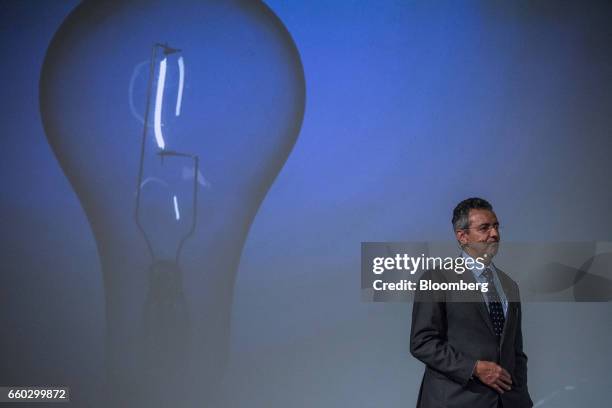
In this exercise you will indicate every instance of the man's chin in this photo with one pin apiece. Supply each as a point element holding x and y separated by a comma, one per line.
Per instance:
<point>484,250</point>
<point>491,250</point>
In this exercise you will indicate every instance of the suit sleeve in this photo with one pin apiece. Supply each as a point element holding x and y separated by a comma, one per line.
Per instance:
<point>428,337</point>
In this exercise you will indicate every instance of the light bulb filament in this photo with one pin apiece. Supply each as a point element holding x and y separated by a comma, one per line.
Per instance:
<point>177,213</point>
<point>179,97</point>
<point>151,180</point>
<point>162,153</point>
<point>159,97</point>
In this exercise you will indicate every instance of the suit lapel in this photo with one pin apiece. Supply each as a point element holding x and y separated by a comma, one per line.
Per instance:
<point>509,320</point>
<point>484,312</point>
<point>510,296</point>
<point>480,304</point>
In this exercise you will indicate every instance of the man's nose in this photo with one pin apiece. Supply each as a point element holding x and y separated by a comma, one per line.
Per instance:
<point>494,232</point>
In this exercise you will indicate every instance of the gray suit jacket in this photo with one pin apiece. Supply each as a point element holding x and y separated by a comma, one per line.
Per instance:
<point>451,330</point>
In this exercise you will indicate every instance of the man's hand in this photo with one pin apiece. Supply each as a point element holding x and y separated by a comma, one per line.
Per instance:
<point>493,375</point>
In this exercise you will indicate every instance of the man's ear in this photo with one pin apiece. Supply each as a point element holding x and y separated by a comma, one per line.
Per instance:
<point>461,237</point>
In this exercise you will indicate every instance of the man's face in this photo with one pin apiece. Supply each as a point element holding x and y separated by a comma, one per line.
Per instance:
<point>481,238</point>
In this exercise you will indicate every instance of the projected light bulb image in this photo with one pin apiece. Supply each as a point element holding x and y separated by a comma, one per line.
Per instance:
<point>171,120</point>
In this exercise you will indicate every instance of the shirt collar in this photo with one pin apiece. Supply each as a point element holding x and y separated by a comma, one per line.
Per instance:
<point>476,270</point>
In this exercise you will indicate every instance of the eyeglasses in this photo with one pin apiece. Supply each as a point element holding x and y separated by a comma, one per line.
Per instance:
<point>486,228</point>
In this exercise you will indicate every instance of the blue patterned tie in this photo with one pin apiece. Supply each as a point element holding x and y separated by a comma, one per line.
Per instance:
<point>496,310</point>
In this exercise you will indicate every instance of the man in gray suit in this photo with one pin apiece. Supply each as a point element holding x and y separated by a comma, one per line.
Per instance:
<point>471,342</point>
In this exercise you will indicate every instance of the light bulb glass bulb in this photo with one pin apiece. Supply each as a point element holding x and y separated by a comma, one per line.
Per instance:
<point>171,119</point>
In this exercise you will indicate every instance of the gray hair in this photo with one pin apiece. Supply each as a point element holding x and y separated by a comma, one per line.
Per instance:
<point>461,213</point>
